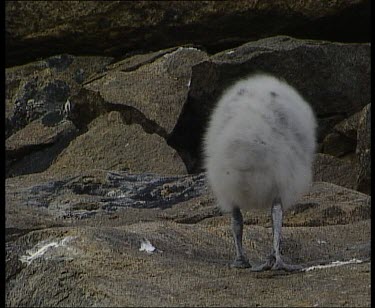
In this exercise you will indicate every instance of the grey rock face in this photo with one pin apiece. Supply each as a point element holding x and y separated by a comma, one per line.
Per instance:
<point>41,87</point>
<point>97,195</point>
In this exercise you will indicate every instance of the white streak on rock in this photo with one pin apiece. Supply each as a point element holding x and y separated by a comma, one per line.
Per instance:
<point>333,264</point>
<point>41,248</point>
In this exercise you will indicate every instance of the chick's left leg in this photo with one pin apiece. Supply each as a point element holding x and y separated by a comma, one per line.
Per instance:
<point>237,229</point>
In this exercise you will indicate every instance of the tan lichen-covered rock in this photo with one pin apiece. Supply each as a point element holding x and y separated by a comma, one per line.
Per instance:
<point>158,87</point>
<point>363,151</point>
<point>112,145</point>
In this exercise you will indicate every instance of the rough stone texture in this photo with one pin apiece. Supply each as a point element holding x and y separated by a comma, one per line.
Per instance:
<point>95,260</point>
<point>112,145</point>
<point>158,88</point>
<point>363,151</point>
<point>349,126</point>
<point>338,145</point>
<point>171,92</point>
<point>34,148</point>
<point>343,139</point>
<point>306,65</point>
<point>41,87</point>
<point>334,170</point>
<point>80,195</point>
<point>39,29</point>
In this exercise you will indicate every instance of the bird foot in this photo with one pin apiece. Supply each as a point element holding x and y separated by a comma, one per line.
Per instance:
<point>240,262</point>
<point>271,260</point>
<point>276,265</point>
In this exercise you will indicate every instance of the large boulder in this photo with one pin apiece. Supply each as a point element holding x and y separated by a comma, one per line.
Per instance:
<point>111,144</point>
<point>157,85</point>
<point>38,28</point>
<point>170,93</point>
<point>307,65</point>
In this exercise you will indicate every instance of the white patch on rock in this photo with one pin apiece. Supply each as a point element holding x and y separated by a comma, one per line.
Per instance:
<point>333,264</point>
<point>147,246</point>
<point>230,52</point>
<point>116,194</point>
<point>41,248</point>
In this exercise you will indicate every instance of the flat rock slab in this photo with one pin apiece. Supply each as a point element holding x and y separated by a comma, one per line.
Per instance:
<point>102,238</point>
<point>103,266</point>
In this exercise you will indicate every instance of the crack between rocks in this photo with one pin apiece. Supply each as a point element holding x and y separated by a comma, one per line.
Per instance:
<point>20,153</point>
<point>149,61</point>
<point>131,115</point>
<point>331,114</point>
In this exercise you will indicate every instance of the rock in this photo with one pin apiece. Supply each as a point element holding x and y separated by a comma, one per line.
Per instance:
<point>57,260</point>
<point>334,170</point>
<point>350,140</point>
<point>40,29</point>
<point>333,99</point>
<point>110,144</point>
<point>157,87</point>
<point>43,86</point>
<point>343,139</point>
<point>338,145</point>
<point>34,148</point>
<point>363,151</point>
<point>349,126</point>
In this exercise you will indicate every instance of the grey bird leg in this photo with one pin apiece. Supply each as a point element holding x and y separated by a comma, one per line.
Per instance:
<point>237,229</point>
<point>274,261</point>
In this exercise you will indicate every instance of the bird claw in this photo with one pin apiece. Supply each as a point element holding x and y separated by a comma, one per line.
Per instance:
<point>240,262</point>
<point>276,265</point>
<point>280,265</point>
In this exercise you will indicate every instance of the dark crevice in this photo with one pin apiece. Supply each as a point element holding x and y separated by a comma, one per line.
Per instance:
<point>131,115</point>
<point>35,158</point>
<point>88,105</point>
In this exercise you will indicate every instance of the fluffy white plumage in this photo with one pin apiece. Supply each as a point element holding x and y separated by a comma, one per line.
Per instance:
<point>259,144</point>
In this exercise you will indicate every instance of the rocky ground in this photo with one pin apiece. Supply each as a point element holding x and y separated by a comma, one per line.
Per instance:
<point>77,242</point>
<point>106,199</point>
